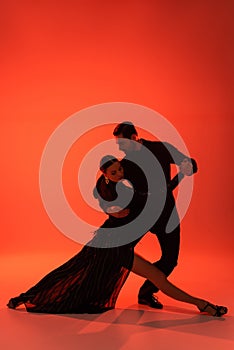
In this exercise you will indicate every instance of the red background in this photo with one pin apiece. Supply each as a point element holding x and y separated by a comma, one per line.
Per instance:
<point>58,57</point>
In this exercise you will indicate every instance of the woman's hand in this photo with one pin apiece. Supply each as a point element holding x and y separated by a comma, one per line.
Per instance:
<point>117,211</point>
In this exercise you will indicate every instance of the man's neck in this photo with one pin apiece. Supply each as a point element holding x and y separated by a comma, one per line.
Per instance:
<point>138,145</point>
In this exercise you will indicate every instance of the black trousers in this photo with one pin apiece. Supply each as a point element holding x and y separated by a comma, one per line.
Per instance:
<point>170,245</point>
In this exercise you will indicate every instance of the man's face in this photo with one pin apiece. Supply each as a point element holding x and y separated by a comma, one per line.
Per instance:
<point>125,145</point>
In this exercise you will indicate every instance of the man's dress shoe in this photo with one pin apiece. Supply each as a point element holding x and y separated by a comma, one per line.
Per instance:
<point>151,301</point>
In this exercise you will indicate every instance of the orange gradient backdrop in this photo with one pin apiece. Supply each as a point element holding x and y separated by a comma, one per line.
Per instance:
<point>58,57</point>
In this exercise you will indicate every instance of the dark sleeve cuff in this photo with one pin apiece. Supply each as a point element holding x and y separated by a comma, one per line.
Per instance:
<point>195,168</point>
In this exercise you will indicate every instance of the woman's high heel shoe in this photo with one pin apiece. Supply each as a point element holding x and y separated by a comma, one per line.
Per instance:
<point>218,310</point>
<point>13,303</point>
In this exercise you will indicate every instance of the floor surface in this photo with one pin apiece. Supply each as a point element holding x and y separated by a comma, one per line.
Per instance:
<point>129,326</point>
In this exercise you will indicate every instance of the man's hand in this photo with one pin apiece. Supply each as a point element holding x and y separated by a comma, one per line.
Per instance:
<point>186,167</point>
<point>117,211</point>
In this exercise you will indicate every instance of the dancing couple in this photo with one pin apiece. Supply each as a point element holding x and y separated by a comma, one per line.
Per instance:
<point>90,282</point>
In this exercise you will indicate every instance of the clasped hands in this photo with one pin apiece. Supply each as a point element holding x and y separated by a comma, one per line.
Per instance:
<point>186,167</point>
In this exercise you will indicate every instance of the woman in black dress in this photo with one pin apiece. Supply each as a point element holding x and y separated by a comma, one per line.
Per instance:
<point>90,282</point>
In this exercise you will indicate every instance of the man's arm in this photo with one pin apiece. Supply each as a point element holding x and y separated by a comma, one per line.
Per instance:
<point>188,166</point>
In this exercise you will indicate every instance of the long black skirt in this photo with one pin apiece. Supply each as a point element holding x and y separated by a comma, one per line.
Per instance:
<point>90,282</point>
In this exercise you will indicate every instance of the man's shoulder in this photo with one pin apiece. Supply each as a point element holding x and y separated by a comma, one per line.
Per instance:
<point>160,149</point>
<point>153,144</point>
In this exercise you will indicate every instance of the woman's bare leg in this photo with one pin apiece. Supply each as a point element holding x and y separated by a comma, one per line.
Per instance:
<point>145,269</point>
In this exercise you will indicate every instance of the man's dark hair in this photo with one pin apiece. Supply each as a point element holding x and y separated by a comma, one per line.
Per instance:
<point>126,129</point>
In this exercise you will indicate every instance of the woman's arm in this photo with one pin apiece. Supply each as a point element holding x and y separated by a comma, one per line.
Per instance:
<point>106,193</point>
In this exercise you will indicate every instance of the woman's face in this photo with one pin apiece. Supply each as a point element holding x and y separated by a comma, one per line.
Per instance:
<point>115,172</point>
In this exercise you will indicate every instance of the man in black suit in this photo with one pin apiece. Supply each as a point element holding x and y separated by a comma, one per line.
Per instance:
<point>168,237</point>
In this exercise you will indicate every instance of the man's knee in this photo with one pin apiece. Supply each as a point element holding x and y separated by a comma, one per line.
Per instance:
<point>167,265</point>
